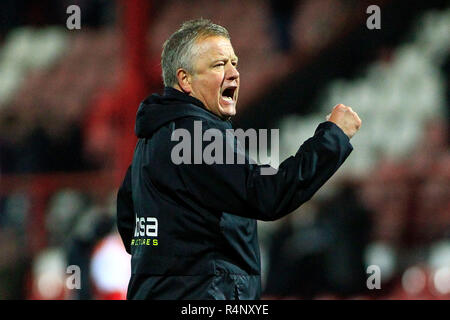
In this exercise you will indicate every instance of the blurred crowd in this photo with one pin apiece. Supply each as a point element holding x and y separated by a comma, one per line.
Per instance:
<point>395,212</point>
<point>389,205</point>
<point>397,217</point>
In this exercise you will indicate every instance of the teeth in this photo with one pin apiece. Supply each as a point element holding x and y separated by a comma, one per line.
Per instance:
<point>227,98</point>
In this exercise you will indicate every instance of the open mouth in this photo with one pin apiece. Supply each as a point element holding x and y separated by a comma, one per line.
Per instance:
<point>228,94</point>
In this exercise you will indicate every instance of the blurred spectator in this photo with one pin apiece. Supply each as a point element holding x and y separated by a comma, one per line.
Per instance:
<point>90,230</point>
<point>14,264</point>
<point>283,18</point>
<point>349,223</point>
<point>296,260</point>
<point>324,256</point>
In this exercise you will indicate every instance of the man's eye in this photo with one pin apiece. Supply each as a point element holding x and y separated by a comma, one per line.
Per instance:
<point>219,64</point>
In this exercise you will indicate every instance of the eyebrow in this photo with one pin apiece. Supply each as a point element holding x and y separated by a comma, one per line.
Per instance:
<point>235,58</point>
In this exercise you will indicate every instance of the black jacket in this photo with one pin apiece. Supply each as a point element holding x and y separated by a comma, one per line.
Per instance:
<point>191,228</point>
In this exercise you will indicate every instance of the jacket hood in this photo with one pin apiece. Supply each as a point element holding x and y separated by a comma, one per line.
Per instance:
<point>157,110</point>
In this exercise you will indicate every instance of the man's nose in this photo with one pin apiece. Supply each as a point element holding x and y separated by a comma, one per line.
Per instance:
<point>232,73</point>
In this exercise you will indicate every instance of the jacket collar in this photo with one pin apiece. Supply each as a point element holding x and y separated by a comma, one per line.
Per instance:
<point>178,95</point>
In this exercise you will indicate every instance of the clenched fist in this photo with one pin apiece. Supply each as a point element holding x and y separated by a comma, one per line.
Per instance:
<point>346,119</point>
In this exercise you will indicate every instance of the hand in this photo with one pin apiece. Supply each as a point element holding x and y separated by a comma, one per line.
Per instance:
<point>346,119</point>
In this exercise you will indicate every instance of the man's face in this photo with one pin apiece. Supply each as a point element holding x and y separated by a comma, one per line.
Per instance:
<point>215,79</point>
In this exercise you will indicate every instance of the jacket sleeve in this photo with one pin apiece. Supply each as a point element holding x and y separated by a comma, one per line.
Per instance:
<point>242,190</point>
<point>125,211</point>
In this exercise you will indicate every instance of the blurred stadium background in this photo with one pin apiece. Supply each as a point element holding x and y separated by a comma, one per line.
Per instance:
<point>68,99</point>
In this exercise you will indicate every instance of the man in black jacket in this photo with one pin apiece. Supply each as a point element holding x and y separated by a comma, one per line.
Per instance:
<point>190,226</point>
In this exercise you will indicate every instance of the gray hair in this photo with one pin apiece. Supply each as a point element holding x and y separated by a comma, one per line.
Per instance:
<point>178,49</point>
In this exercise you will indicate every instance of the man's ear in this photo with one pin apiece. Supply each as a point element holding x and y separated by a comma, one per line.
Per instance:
<point>184,80</point>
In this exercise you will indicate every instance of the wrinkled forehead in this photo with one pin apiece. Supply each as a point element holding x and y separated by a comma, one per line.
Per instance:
<point>213,48</point>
